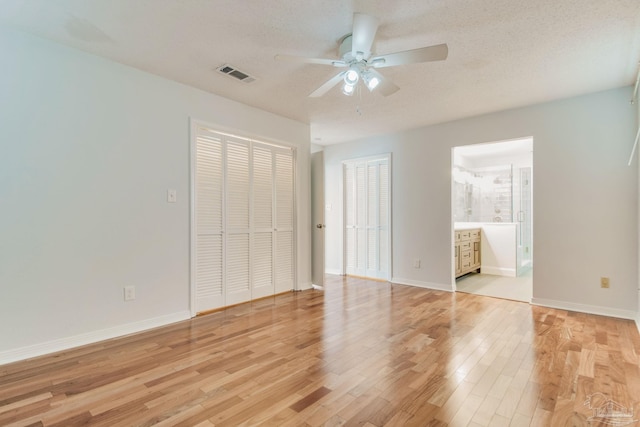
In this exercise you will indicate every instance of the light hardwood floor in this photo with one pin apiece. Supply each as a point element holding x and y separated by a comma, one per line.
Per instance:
<point>360,353</point>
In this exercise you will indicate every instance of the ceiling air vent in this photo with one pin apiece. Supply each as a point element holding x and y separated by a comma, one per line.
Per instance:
<point>235,73</point>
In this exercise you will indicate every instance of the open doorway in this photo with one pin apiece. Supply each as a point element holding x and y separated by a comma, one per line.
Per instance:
<point>492,206</point>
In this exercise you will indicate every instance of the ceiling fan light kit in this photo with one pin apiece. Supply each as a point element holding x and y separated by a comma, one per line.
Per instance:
<point>352,76</point>
<point>355,53</point>
<point>370,81</point>
<point>348,89</point>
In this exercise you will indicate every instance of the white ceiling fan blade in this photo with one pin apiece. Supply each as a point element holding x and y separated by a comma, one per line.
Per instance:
<point>327,85</point>
<point>364,31</point>
<point>385,86</point>
<point>425,54</point>
<point>305,60</point>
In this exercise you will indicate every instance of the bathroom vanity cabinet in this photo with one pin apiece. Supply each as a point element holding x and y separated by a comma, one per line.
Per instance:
<point>467,251</point>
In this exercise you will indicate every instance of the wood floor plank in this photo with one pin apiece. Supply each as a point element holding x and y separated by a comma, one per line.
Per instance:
<point>486,410</point>
<point>528,400</point>
<point>360,352</point>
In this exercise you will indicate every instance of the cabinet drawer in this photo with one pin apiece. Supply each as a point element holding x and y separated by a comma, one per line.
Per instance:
<point>466,255</point>
<point>465,235</point>
<point>457,233</point>
<point>465,246</point>
<point>475,234</point>
<point>466,263</point>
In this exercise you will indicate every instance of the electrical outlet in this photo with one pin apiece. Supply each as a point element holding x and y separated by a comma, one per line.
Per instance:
<point>129,293</point>
<point>604,282</point>
<point>171,196</point>
<point>416,263</point>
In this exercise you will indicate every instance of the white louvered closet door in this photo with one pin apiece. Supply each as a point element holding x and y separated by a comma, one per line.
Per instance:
<point>263,227</point>
<point>367,217</point>
<point>284,234</point>
<point>237,230</point>
<point>243,220</point>
<point>384,220</point>
<point>209,184</point>
<point>361,219</point>
<point>355,216</point>
<point>350,252</point>
<point>377,222</point>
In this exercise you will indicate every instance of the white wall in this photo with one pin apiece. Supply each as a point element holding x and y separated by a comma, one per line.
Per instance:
<point>585,198</point>
<point>88,150</point>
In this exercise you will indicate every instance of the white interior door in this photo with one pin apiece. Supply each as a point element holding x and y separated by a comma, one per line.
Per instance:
<point>367,217</point>
<point>317,220</point>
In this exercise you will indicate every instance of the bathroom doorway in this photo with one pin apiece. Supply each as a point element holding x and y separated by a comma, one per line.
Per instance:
<point>492,207</point>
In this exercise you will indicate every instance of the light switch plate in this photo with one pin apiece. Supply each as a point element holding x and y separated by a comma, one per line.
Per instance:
<point>171,196</point>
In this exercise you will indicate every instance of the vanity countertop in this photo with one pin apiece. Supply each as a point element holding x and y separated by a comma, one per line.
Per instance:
<point>459,226</point>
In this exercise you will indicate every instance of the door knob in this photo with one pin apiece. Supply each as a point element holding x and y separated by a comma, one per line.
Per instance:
<point>320,225</point>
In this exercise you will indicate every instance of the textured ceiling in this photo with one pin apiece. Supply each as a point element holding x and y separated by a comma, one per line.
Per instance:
<point>502,53</point>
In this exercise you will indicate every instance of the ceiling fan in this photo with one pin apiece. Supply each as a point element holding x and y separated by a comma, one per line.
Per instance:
<point>361,64</point>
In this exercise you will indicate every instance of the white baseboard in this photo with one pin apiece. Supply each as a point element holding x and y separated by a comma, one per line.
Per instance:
<point>304,286</point>
<point>584,308</point>
<point>66,343</point>
<point>420,284</point>
<point>498,271</point>
<point>334,271</point>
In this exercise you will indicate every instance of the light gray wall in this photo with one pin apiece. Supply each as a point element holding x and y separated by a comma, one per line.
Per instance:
<point>585,198</point>
<point>88,150</point>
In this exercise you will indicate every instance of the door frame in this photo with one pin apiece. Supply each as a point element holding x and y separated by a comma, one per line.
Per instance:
<point>531,138</point>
